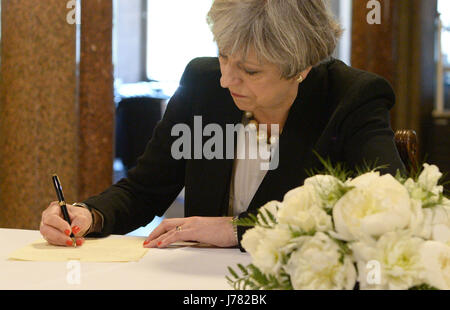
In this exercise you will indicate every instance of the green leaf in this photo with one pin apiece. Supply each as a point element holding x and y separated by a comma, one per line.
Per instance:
<point>369,167</point>
<point>271,217</point>
<point>263,218</point>
<point>243,269</point>
<point>233,273</point>
<point>254,218</point>
<point>258,275</point>
<point>423,287</point>
<point>338,170</point>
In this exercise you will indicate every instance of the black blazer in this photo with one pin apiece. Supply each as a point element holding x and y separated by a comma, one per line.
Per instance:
<point>341,112</point>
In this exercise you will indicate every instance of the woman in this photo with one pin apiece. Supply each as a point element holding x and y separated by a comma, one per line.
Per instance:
<point>274,68</point>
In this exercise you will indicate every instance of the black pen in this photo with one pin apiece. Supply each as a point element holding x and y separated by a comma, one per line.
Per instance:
<point>62,204</point>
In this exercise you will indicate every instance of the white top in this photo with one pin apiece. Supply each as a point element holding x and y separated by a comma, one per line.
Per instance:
<point>248,171</point>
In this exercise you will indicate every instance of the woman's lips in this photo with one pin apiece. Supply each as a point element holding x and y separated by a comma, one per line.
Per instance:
<point>236,95</point>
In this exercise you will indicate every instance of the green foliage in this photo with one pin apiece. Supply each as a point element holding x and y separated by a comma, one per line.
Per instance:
<point>423,287</point>
<point>431,204</point>
<point>343,249</point>
<point>401,177</point>
<point>415,172</point>
<point>333,196</point>
<point>254,279</point>
<point>338,170</point>
<point>264,219</point>
<point>341,171</point>
<point>369,167</point>
<point>298,233</point>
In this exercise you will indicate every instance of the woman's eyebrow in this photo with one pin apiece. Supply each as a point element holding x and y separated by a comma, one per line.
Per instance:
<point>251,64</point>
<point>246,62</point>
<point>243,61</point>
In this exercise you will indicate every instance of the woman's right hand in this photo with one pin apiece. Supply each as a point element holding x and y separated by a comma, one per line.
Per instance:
<point>57,231</point>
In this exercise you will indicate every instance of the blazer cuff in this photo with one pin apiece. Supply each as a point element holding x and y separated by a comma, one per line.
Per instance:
<point>98,219</point>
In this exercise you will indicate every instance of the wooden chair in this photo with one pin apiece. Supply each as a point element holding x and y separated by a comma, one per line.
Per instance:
<point>407,145</point>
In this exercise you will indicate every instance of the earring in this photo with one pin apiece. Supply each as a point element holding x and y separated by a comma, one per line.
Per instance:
<point>300,79</point>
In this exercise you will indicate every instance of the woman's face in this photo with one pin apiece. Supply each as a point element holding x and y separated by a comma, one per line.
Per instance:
<point>256,86</point>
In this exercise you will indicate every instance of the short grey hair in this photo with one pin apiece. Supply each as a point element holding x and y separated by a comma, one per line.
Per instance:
<point>294,34</point>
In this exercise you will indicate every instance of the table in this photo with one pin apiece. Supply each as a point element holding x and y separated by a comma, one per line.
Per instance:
<point>184,268</point>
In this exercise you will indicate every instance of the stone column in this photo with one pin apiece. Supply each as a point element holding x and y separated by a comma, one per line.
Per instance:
<point>52,119</point>
<point>96,98</point>
<point>38,109</point>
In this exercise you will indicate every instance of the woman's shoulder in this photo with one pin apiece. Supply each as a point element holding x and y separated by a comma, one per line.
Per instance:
<point>349,84</point>
<point>201,69</point>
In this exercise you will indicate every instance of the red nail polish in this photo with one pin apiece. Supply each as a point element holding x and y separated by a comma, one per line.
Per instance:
<point>146,242</point>
<point>79,242</point>
<point>67,232</point>
<point>76,229</point>
<point>159,243</point>
<point>69,242</point>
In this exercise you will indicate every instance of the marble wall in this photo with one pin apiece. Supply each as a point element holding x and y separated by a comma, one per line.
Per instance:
<point>49,114</point>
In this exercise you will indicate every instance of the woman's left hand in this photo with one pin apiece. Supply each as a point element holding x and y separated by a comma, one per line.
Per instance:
<point>217,231</point>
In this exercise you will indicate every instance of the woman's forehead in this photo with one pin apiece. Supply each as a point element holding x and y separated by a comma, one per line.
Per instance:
<point>249,57</point>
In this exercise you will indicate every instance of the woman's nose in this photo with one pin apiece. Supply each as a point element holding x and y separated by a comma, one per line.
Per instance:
<point>229,77</point>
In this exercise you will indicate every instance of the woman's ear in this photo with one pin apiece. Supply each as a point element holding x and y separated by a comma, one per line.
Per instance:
<point>303,75</point>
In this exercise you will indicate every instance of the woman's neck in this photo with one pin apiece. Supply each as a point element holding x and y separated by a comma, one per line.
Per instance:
<point>274,116</point>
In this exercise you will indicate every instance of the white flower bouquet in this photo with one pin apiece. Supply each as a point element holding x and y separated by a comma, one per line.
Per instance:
<point>369,232</point>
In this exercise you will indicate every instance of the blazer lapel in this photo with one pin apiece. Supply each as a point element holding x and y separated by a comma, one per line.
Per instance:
<point>223,112</point>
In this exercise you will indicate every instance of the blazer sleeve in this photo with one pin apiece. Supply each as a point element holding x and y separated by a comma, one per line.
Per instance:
<point>158,178</point>
<point>368,136</point>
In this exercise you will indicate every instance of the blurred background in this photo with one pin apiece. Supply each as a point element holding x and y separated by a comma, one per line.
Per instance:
<point>82,90</point>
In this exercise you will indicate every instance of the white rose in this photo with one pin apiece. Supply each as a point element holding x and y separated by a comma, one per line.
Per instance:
<point>429,178</point>
<point>272,207</point>
<point>329,188</point>
<point>302,211</point>
<point>436,223</point>
<point>421,194</point>
<point>436,259</point>
<point>316,265</point>
<point>364,179</point>
<point>267,253</point>
<point>426,189</point>
<point>382,205</point>
<point>252,238</point>
<point>417,217</point>
<point>398,258</point>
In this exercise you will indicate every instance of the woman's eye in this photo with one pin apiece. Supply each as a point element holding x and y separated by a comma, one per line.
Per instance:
<point>251,72</point>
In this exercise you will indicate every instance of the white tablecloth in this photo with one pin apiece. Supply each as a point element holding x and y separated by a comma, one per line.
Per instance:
<point>160,269</point>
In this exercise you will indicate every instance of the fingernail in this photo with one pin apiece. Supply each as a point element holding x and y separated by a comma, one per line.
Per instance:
<point>76,229</point>
<point>146,242</point>
<point>67,232</point>
<point>69,242</point>
<point>79,242</point>
<point>159,243</point>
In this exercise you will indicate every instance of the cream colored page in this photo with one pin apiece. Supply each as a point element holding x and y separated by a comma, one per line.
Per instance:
<point>110,249</point>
